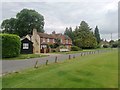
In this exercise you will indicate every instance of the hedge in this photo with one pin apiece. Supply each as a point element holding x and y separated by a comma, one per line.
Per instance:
<point>11,45</point>
<point>75,48</point>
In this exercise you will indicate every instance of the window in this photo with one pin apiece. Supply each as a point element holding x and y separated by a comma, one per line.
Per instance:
<point>61,40</point>
<point>43,39</point>
<point>48,40</point>
<point>53,41</point>
<point>43,46</point>
<point>67,41</point>
<point>25,46</point>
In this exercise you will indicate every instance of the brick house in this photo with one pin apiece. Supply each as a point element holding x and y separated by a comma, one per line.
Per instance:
<point>41,41</point>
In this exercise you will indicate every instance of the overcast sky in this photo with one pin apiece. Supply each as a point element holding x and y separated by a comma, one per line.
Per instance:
<point>59,15</point>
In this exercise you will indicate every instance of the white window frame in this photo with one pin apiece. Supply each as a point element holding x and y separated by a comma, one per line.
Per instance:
<point>61,40</point>
<point>25,45</point>
<point>48,40</point>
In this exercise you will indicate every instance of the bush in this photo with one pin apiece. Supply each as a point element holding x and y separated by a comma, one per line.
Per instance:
<point>114,45</point>
<point>11,45</point>
<point>105,46</point>
<point>75,48</point>
<point>63,47</point>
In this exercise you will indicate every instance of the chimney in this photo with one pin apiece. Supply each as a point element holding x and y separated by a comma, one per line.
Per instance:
<point>53,32</point>
<point>34,31</point>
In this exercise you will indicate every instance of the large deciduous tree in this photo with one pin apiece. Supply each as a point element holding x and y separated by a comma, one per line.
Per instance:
<point>24,23</point>
<point>97,35</point>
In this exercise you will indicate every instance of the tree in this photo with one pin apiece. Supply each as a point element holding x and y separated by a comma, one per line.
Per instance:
<point>57,43</point>
<point>9,25</point>
<point>24,23</point>
<point>97,35</point>
<point>84,37</point>
<point>69,32</point>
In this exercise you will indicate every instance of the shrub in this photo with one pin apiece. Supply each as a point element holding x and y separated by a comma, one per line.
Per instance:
<point>114,45</point>
<point>75,48</point>
<point>11,45</point>
<point>51,46</point>
<point>105,46</point>
<point>63,47</point>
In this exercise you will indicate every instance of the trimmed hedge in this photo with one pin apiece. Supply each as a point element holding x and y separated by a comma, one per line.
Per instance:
<point>11,45</point>
<point>75,48</point>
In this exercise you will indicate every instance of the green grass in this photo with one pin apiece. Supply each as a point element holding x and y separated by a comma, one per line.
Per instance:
<point>25,56</point>
<point>92,71</point>
<point>0,83</point>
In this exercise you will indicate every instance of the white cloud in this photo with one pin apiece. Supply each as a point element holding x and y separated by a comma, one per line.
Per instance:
<point>59,15</point>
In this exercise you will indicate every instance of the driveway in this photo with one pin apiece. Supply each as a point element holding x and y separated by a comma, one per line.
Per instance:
<point>17,65</point>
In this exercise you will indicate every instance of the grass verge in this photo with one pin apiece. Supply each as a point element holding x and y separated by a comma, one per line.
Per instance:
<point>92,71</point>
<point>25,56</point>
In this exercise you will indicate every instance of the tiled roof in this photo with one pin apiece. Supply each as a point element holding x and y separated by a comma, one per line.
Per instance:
<point>44,35</point>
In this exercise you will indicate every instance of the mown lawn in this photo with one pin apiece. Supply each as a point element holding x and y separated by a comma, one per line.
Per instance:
<point>25,56</point>
<point>92,71</point>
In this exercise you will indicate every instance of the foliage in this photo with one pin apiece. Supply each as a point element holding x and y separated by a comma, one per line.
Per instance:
<point>97,35</point>
<point>84,37</point>
<point>57,43</point>
<point>119,43</point>
<point>114,45</point>
<point>105,46</point>
<point>26,20</point>
<point>51,46</point>
<point>11,45</point>
<point>63,47</point>
<point>69,32</point>
<point>75,48</point>
<point>9,25</point>
<point>111,42</point>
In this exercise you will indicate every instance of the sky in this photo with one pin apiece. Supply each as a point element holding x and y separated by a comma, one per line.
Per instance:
<point>59,14</point>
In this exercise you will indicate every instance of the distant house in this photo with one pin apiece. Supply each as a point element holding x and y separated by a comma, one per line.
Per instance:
<point>26,46</point>
<point>105,42</point>
<point>41,41</point>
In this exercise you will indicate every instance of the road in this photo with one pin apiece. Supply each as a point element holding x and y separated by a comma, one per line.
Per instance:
<point>9,66</point>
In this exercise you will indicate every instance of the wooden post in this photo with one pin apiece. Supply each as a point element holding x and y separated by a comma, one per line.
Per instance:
<point>74,56</point>
<point>46,62</point>
<point>83,54</point>
<point>56,59</point>
<point>69,56</point>
<point>36,66</point>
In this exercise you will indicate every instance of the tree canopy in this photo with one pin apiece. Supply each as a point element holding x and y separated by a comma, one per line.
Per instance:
<point>24,23</point>
<point>84,37</point>
<point>97,35</point>
<point>69,32</point>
